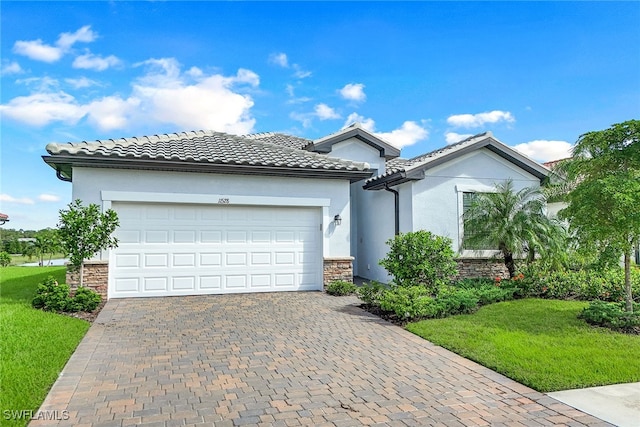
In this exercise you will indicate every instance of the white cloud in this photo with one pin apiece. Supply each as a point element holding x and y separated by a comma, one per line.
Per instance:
<point>39,51</point>
<point>111,112</point>
<point>452,137</point>
<point>21,201</point>
<point>81,83</point>
<point>300,73</point>
<point>163,94</point>
<point>353,92</point>
<point>48,198</point>
<point>324,112</point>
<point>11,68</point>
<point>545,150</point>
<point>41,109</point>
<point>279,59</point>
<point>212,102</point>
<point>89,61</point>
<point>84,34</point>
<point>35,49</point>
<point>366,123</point>
<point>477,120</point>
<point>408,134</point>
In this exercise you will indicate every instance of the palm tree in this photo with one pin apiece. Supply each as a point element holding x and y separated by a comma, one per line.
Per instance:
<point>513,223</point>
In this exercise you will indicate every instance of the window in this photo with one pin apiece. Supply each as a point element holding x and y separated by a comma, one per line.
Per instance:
<point>467,200</point>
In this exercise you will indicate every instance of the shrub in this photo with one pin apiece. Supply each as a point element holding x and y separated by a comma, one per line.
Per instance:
<point>473,283</point>
<point>370,293</point>
<point>340,288</point>
<point>85,299</point>
<point>452,301</point>
<point>612,315</point>
<point>585,285</point>
<point>408,302</point>
<point>420,258</point>
<point>5,259</point>
<point>52,296</point>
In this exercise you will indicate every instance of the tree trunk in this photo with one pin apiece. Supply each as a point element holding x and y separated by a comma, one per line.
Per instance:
<point>81,278</point>
<point>627,281</point>
<point>508,261</point>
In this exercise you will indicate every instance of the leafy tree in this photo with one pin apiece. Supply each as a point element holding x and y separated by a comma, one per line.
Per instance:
<point>47,243</point>
<point>84,232</point>
<point>420,258</point>
<point>514,222</point>
<point>5,259</point>
<point>603,209</point>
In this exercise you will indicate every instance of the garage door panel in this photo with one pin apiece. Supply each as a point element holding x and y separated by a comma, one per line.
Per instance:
<point>236,236</point>
<point>127,260</point>
<point>260,281</point>
<point>211,236</point>
<point>129,285</point>
<point>184,236</point>
<point>155,283</point>
<point>169,249</point>
<point>187,283</point>
<point>156,236</point>
<point>210,282</point>
<point>211,259</point>
<point>236,282</point>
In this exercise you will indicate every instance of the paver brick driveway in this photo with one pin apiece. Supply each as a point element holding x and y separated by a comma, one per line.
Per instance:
<point>280,359</point>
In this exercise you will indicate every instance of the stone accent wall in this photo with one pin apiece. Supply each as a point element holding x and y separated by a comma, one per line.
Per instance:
<point>481,267</point>
<point>95,276</point>
<point>338,268</point>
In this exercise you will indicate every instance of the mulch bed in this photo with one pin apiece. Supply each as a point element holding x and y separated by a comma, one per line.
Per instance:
<point>88,316</point>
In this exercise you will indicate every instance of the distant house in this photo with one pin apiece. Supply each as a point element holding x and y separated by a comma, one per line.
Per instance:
<point>207,212</point>
<point>4,218</point>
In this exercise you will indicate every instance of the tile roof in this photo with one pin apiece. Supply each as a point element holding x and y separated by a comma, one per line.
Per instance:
<point>280,139</point>
<point>208,147</point>
<point>401,165</point>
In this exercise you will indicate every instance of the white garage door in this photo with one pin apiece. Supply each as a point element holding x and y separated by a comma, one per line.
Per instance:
<point>176,249</point>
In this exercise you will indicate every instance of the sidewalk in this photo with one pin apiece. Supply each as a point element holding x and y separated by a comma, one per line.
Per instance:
<point>617,404</point>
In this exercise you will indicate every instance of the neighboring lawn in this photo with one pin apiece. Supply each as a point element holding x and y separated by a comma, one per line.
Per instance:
<point>22,259</point>
<point>35,345</point>
<point>539,343</point>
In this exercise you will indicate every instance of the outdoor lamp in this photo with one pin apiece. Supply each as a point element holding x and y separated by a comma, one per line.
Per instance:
<point>337,219</point>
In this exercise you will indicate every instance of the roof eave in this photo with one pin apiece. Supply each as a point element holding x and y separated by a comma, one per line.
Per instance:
<point>65,164</point>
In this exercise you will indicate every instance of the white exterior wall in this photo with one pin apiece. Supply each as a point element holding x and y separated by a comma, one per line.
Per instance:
<point>437,199</point>
<point>376,226</point>
<point>363,212</point>
<point>90,183</point>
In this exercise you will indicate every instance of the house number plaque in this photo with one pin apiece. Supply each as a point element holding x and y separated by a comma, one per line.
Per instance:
<point>223,201</point>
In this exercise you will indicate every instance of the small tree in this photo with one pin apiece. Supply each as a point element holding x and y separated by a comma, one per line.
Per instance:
<point>420,258</point>
<point>603,209</point>
<point>5,259</point>
<point>513,222</point>
<point>84,232</point>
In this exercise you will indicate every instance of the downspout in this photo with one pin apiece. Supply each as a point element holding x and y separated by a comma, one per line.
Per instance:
<point>396,206</point>
<point>62,177</point>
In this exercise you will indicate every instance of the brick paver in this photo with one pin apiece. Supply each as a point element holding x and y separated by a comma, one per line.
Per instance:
<point>280,359</point>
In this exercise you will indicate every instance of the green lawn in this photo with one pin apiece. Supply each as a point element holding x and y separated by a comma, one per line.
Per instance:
<point>35,345</point>
<point>539,343</point>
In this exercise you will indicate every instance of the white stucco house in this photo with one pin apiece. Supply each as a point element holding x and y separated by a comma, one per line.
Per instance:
<point>207,212</point>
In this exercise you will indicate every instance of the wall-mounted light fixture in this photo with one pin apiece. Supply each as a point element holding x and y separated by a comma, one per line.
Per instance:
<point>337,219</point>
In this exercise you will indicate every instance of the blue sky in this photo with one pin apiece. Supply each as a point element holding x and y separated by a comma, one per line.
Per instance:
<point>419,74</point>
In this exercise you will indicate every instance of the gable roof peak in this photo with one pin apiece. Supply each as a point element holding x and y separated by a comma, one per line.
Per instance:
<point>355,130</point>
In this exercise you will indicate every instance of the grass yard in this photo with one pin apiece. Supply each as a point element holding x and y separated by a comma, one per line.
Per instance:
<point>35,345</point>
<point>22,259</point>
<point>539,343</point>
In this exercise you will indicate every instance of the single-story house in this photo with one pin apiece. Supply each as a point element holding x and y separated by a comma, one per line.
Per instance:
<point>208,212</point>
